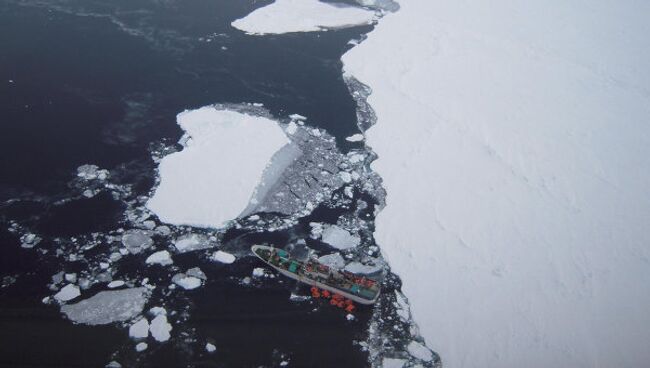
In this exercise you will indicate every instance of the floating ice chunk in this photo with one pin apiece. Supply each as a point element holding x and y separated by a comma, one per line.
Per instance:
<point>140,329</point>
<point>91,172</point>
<point>196,272</point>
<point>339,238</point>
<point>142,346</point>
<point>68,292</point>
<point>419,351</point>
<point>297,117</point>
<point>162,258</point>
<point>291,128</point>
<point>193,188</point>
<point>298,298</point>
<point>355,138</point>
<point>345,176</point>
<point>223,257</point>
<point>160,328</point>
<point>186,282</point>
<point>29,240</point>
<point>393,363</point>
<point>71,277</point>
<point>334,260</point>
<point>156,311</point>
<point>107,306</point>
<point>258,272</point>
<point>137,240</point>
<point>115,284</point>
<point>210,348</point>
<point>350,317</point>
<point>113,364</point>
<point>316,229</point>
<point>192,242</point>
<point>285,16</point>
<point>163,230</point>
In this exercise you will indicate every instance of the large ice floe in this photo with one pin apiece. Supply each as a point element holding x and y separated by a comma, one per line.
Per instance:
<point>514,145</point>
<point>108,306</point>
<point>213,178</point>
<point>285,16</point>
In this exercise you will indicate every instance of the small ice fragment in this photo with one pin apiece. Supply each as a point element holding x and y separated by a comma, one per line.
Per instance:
<point>334,260</point>
<point>186,282</point>
<point>163,230</point>
<point>419,351</point>
<point>140,329</point>
<point>29,240</point>
<point>149,224</point>
<point>223,257</point>
<point>115,284</point>
<point>68,292</point>
<point>156,311</point>
<point>113,364</point>
<point>71,277</point>
<point>345,176</point>
<point>393,363</point>
<point>187,243</point>
<point>292,128</point>
<point>297,117</point>
<point>162,258</point>
<point>141,346</point>
<point>258,272</point>
<point>284,363</point>
<point>355,138</point>
<point>350,317</point>
<point>137,240</point>
<point>160,328</point>
<point>210,348</point>
<point>196,272</point>
<point>339,238</point>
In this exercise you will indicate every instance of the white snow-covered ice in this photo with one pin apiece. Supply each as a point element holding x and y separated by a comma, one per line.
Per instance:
<point>286,16</point>
<point>514,145</point>
<point>213,178</point>
<point>140,329</point>
<point>339,238</point>
<point>107,306</point>
<point>223,257</point>
<point>161,257</point>
<point>160,329</point>
<point>67,292</point>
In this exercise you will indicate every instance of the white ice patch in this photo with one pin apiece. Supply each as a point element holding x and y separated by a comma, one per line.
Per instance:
<point>258,272</point>
<point>137,240</point>
<point>186,282</point>
<point>223,257</point>
<point>334,260</point>
<point>355,138</point>
<point>160,329</point>
<point>140,329</point>
<point>162,258</point>
<point>419,351</point>
<point>68,292</point>
<point>210,348</point>
<point>339,238</point>
<point>360,268</point>
<point>212,179</point>
<point>141,346</point>
<point>107,306</point>
<point>192,242</point>
<point>115,284</point>
<point>514,145</point>
<point>285,16</point>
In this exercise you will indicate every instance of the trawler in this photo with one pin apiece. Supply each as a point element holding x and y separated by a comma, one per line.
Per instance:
<point>340,283</point>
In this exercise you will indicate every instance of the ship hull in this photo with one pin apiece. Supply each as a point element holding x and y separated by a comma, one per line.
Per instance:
<point>315,283</point>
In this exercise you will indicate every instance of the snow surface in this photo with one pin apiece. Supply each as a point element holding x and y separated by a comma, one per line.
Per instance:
<point>514,145</point>
<point>285,16</point>
<point>212,179</point>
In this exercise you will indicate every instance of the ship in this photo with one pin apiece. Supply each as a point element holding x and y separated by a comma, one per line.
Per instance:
<point>340,283</point>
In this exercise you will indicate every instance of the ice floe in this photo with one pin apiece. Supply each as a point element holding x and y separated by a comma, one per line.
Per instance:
<point>197,186</point>
<point>137,240</point>
<point>160,328</point>
<point>355,138</point>
<point>223,257</point>
<point>107,306</point>
<point>192,242</point>
<point>285,16</point>
<point>140,329</point>
<point>339,238</point>
<point>67,293</point>
<point>186,282</point>
<point>210,348</point>
<point>141,346</point>
<point>513,143</point>
<point>161,257</point>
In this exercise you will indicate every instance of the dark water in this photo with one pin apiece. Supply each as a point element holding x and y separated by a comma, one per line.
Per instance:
<point>101,82</point>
